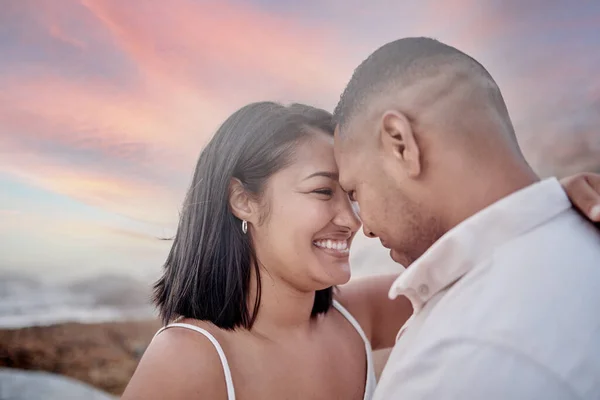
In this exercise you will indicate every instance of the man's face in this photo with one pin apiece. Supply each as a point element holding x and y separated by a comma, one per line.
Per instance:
<point>390,208</point>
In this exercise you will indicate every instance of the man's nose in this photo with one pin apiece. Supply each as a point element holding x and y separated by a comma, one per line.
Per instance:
<point>368,233</point>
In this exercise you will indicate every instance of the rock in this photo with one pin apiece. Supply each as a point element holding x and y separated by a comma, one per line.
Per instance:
<point>34,385</point>
<point>103,355</point>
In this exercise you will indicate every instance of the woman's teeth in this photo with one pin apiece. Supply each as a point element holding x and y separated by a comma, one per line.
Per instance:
<point>339,245</point>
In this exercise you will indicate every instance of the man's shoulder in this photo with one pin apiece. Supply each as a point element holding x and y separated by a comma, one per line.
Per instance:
<point>561,255</point>
<point>561,237</point>
<point>551,268</point>
<point>543,278</point>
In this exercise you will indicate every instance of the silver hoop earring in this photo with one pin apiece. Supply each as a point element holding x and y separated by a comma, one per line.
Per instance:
<point>244,226</point>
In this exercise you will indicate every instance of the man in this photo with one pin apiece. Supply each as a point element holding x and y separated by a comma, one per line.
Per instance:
<point>503,275</point>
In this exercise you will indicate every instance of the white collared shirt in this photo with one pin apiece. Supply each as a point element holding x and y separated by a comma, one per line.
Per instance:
<point>506,307</point>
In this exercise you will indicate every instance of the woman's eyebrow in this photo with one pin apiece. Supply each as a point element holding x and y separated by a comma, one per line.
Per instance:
<point>331,175</point>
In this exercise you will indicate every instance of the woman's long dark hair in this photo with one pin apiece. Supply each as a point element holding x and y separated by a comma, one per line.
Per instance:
<point>208,270</point>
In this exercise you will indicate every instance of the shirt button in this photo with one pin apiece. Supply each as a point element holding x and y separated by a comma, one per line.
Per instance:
<point>423,290</point>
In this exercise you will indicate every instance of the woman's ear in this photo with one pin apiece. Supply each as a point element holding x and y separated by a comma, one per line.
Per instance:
<point>240,202</point>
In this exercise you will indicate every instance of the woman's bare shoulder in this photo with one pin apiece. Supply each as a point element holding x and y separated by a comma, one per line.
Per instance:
<point>179,363</point>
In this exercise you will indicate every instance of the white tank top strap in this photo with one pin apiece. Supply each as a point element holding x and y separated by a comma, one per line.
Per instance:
<point>215,343</point>
<point>371,378</point>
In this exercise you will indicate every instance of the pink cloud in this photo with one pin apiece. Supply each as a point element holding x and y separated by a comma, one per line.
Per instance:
<point>187,40</point>
<point>98,105</point>
<point>57,33</point>
<point>135,198</point>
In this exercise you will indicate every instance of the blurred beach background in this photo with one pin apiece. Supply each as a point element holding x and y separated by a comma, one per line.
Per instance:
<point>105,106</point>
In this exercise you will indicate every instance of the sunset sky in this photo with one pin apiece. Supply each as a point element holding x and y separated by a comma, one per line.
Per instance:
<point>106,104</point>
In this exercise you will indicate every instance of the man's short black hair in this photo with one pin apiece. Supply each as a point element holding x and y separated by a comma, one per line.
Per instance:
<point>406,59</point>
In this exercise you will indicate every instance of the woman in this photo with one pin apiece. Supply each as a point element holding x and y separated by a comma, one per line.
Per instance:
<point>262,241</point>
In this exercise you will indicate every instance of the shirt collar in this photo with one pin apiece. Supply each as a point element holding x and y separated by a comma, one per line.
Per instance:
<point>461,248</point>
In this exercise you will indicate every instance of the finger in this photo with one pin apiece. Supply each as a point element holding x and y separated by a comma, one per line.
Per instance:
<point>594,181</point>
<point>583,196</point>
<point>595,213</point>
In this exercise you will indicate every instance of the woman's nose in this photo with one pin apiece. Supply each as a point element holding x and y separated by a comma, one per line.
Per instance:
<point>348,216</point>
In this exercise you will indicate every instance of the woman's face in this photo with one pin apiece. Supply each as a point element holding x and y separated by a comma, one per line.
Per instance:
<point>309,221</point>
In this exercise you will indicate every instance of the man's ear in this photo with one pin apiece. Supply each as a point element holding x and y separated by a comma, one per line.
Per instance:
<point>398,141</point>
<point>240,202</point>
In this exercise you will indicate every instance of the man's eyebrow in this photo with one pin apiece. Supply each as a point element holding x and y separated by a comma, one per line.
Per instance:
<point>331,175</point>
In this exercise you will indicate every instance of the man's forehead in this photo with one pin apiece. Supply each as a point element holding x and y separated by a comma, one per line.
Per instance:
<point>340,142</point>
<point>344,152</point>
<point>351,134</point>
<point>344,133</point>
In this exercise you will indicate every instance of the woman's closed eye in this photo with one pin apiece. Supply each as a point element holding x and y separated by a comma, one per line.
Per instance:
<point>324,191</point>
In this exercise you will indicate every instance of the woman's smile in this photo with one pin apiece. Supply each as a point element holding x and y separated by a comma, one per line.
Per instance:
<point>337,248</point>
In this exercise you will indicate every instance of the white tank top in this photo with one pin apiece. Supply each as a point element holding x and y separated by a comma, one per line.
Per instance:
<point>370,382</point>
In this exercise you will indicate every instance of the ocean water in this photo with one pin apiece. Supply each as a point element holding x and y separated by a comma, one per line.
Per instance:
<point>24,301</point>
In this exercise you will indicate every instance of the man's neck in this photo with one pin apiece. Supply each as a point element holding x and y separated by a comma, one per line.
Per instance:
<point>483,188</point>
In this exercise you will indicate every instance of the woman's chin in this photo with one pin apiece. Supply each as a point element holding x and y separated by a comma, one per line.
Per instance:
<point>334,266</point>
<point>336,274</point>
